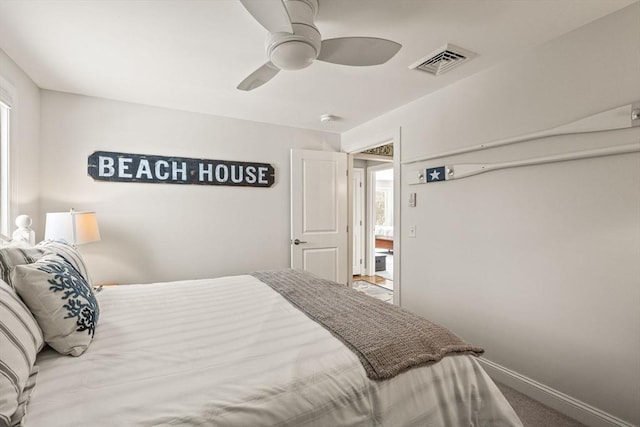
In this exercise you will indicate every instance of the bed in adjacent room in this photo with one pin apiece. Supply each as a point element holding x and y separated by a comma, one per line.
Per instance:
<point>247,350</point>
<point>384,237</point>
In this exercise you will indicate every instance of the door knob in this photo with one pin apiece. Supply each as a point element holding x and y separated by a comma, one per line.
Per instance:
<point>298,241</point>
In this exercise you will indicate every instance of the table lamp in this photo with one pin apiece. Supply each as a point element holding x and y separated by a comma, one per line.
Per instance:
<point>75,228</point>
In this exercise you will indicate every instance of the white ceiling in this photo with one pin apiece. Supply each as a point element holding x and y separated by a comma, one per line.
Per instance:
<point>191,54</point>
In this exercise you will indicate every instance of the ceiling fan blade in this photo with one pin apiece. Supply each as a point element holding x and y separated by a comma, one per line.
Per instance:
<point>271,14</point>
<point>358,51</point>
<point>259,77</point>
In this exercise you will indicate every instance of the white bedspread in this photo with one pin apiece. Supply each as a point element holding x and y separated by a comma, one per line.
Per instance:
<point>232,352</point>
<point>383,231</point>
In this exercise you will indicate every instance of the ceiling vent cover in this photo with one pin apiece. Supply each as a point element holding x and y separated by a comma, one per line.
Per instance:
<point>443,60</point>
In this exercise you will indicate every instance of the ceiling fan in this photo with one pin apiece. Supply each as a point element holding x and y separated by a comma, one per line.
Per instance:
<point>294,41</point>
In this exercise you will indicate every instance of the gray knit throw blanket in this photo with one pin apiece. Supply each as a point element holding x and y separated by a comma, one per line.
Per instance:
<point>387,339</point>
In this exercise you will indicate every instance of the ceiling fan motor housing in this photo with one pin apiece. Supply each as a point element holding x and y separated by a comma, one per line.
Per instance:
<point>298,50</point>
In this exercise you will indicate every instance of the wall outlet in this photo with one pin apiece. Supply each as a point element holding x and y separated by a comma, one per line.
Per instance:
<point>412,231</point>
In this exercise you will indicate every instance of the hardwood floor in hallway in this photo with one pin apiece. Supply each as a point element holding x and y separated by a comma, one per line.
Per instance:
<point>375,286</point>
<point>376,280</point>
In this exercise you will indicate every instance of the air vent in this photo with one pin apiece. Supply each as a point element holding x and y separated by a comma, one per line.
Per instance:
<point>443,60</point>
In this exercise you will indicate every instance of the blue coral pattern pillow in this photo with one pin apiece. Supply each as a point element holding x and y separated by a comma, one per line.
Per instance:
<point>61,301</point>
<point>68,252</point>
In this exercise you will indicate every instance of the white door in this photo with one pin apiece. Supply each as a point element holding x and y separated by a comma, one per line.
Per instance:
<point>319,213</point>
<point>358,221</point>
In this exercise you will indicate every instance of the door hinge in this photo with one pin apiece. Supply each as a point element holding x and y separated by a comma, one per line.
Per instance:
<point>360,261</point>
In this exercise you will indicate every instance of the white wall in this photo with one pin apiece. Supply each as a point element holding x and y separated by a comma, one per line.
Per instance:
<point>157,232</point>
<point>24,140</point>
<point>539,265</point>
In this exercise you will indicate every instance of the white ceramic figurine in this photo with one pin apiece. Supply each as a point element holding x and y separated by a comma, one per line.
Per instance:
<point>24,233</point>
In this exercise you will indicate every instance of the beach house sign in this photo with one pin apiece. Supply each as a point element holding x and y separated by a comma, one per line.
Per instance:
<point>124,167</point>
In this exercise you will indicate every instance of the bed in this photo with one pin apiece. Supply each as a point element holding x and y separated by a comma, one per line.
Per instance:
<point>239,351</point>
<point>384,237</point>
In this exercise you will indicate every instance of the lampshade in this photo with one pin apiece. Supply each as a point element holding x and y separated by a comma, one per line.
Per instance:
<point>76,228</point>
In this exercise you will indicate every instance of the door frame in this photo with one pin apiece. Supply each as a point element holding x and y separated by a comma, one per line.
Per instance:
<point>361,193</point>
<point>391,136</point>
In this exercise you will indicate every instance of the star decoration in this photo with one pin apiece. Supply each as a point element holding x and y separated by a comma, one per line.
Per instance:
<point>435,175</point>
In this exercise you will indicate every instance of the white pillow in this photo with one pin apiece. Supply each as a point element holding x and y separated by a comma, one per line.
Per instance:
<point>16,254</point>
<point>20,342</point>
<point>61,300</point>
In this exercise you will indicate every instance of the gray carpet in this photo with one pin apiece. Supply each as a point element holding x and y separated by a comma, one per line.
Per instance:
<point>535,414</point>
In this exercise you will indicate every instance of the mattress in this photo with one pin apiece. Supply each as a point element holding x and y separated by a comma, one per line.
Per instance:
<point>233,352</point>
<point>384,231</point>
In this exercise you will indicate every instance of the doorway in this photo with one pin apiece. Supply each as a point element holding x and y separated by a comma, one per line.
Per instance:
<point>383,217</point>
<point>376,273</point>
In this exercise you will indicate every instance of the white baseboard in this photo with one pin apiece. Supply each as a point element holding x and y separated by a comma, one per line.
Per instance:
<point>574,408</point>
